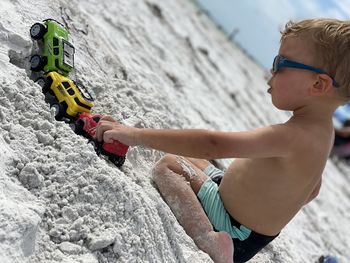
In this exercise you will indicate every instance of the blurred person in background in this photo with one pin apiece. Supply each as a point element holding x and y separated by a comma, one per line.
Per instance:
<point>341,122</point>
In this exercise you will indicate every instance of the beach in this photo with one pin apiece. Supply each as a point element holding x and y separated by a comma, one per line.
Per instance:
<point>147,63</point>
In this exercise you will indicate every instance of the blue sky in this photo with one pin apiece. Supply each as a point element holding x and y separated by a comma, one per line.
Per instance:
<point>259,21</point>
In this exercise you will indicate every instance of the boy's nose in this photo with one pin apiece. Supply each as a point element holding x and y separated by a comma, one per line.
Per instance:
<point>269,83</point>
<point>269,77</point>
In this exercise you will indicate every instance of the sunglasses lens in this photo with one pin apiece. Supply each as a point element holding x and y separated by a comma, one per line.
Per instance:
<point>274,64</point>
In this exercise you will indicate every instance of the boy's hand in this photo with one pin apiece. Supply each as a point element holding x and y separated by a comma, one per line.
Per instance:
<point>109,129</point>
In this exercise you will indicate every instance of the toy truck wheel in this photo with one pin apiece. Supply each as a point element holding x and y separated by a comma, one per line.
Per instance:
<point>78,127</point>
<point>96,145</point>
<point>37,31</point>
<point>60,111</point>
<point>117,160</point>
<point>37,63</point>
<point>44,84</point>
<point>41,81</point>
<point>93,143</point>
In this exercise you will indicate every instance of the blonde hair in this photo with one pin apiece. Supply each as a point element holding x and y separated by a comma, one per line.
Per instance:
<point>330,42</point>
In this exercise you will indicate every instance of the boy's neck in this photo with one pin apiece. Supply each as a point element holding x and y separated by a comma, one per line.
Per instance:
<point>321,113</point>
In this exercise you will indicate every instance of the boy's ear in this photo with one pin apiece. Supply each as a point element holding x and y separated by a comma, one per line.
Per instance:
<point>322,85</point>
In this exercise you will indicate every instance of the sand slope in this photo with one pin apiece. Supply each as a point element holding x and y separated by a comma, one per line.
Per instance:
<point>149,64</point>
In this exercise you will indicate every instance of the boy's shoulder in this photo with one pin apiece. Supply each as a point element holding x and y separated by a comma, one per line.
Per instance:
<point>295,135</point>
<point>309,136</point>
<point>278,140</point>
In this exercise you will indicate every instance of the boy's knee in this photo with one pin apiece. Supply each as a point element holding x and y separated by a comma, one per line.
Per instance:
<point>165,162</point>
<point>168,159</point>
<point>162,166</point>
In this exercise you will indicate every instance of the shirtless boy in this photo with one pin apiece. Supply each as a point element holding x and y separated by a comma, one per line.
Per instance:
<point>278,168</point>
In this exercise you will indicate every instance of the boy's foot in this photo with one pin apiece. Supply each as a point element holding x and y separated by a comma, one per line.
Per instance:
<point>218,245</point>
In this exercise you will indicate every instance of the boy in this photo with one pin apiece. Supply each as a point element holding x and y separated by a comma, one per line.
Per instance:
<point>277,170</point>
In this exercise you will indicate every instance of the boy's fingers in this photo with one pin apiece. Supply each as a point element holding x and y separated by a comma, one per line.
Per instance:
<point>108,137</point>
<point>108,118</point>
<point>101,128</point>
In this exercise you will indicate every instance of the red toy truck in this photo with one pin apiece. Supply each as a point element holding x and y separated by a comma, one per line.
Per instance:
<point>85,125</point>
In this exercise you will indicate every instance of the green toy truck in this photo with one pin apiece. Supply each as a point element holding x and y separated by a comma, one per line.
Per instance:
<point>58,53</point>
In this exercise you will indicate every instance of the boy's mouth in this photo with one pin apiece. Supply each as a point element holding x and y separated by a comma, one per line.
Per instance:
<point>269,90</point>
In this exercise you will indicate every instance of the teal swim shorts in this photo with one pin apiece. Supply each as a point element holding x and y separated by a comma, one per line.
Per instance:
<point>246,242</point>
<point>211,202</point>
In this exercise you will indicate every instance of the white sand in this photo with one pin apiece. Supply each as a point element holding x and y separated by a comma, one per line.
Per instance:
<point>149,64</point>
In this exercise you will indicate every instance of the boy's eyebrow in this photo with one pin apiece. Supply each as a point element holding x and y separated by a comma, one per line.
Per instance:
<point>289,58</point>
<point>283,55</point>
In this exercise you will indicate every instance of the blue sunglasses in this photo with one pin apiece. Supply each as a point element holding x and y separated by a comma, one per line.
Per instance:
<point>281,62</point>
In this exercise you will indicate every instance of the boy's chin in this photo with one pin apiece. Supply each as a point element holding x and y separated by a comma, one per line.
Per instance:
<point>284,107</point>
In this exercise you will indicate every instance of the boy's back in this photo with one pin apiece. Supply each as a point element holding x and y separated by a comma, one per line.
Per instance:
<point>265,193</point>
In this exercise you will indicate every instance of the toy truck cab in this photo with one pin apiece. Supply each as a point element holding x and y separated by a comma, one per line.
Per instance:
<point>65,96</point>
<point>58,52</point>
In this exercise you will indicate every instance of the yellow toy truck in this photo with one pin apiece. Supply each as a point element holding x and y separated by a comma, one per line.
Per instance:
<point>67,98</point>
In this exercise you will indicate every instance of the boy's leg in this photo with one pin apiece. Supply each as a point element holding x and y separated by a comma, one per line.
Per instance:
<point>199,163</point>
<point>211,169</point>
<point>179,181</point>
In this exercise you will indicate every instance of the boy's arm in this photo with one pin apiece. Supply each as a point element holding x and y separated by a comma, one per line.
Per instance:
<point>271,141</point>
